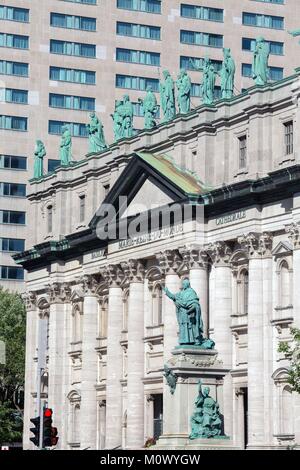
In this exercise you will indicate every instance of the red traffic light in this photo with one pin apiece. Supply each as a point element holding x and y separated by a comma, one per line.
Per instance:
<point>48,412</point>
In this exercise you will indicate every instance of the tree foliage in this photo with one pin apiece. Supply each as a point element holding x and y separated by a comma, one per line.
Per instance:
<point>292,353</point>
<point>12,334</point>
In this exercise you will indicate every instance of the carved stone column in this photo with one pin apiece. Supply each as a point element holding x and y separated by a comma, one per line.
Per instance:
<point>88,408</point>
<point>113,434</point>
<point>30,370</point>
<point>220,253</point>
<point>169,262</point>
<point>59,296</point>
<point>134,271</point>
<point>294,236</point>
<point>259,249</point>
<point>196,259</point>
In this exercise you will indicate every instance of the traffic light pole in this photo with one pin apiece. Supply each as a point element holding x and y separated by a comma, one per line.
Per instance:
<point>40,407</point>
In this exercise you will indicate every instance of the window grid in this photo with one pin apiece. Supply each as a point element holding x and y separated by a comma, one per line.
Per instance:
<point>289,137</point>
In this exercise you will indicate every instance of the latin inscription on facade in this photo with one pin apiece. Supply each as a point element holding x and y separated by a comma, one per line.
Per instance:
<point>151,237</point>
<point>227,219</point>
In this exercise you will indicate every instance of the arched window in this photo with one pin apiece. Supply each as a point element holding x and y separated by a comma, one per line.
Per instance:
<point>103,314</point>
<point>157,305</point>
<point>77,325</point>
<point>287,416</point>
<point>49,218</point>
<point>284,284</point>
<point>243,292</point>
<point>125,310</point>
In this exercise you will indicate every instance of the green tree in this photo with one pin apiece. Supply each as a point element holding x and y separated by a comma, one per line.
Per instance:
<point>292,353</point>
<point>12,334</point>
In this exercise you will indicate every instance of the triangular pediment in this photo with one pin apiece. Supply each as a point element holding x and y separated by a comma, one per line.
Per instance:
<point>149,181</point>
<point>282,248</point>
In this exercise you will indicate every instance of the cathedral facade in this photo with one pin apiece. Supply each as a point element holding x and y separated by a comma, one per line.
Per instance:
<point>98,304</point>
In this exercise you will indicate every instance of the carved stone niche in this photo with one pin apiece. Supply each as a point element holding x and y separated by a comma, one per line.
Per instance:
<point>184,370</point>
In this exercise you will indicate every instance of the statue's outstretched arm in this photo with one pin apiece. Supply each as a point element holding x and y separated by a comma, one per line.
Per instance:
<point>169,294</point>
<point>295,32</point>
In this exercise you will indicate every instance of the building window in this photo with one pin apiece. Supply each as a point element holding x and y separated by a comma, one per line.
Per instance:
<point>82,208</point>
<point>13,162</point>
<point>14,14</point>
<point>87,2</point>
<point>263,21</point>
<point>79,103</point>
<point>202,13</point>
<point>11,273</point>
<point>242,152</point>
<point>14,40</point>
<point>138,30</point>
<point>77,129</point>
<point>243,292</point>
<point>148,6</point>
<point>49,219</point>
<point>13,189</point>
<point>52,165</point>
<point>136,83</point>
<point>138,57</point>
<point>12,244</point>
<point>188,63</point>
<point>12,95</point>
<point>284,284</point>
<point>275,47</point>
<point>12,217</point>
<point>14,68</point>
<point>14,123</point>
<point>72,48</point>
<point>84,23</point>
<point>289,138</point>
<point>201,39</point>
<point>278,2</point>
<point>72,75</point>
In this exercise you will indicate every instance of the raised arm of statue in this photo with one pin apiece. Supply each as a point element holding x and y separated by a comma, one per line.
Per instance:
<point>169,294</point>
<point>196,67</point>
<point>295,32</point>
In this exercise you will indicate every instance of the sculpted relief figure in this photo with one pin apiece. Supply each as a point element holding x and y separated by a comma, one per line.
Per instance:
<point>65,151</point>
<point>167,97</point>
<point>123,119</point>
<point>260,68</point>
<point>188,313</point>
<point>96,134</point>
<point>150,107</point>
<point>227,74</point>
<point>184,87</point>
<point>39,154</point>
<point>206,421</point>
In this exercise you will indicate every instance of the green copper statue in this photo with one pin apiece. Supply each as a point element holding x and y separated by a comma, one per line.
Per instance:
<point>206,421</point>
<point>188,312</point>
<point>65,151</point>
<point>295,33</point>
<point>118,120</point>
<point>96,134</point>
<point>227,74</point>
<point>260,70</point>
<point>123,119</point>
<point>184,87</point>
<point>208,81</point>
<point>150,108</point>
<point>167,97</point>
<point>39,154</point>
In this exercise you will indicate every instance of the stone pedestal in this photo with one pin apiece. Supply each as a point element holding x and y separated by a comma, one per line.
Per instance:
<point>189,365</point>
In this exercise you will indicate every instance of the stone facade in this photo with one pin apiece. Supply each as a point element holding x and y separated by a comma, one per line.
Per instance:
<point>110,328</point>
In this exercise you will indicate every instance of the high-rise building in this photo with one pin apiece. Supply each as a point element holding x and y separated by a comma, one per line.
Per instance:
<point>60,59</point>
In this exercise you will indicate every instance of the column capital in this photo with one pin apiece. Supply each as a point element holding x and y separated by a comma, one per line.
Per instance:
<point>59,292</point>
<point>30,300</point>
<point>134,270</point>
<point>169,261</point>
<point>112,274</point>
<point>220,253</point>
<point>89,284</point>
<point>293,231</point>
<point>194,256</point>
<point>257,245</point>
